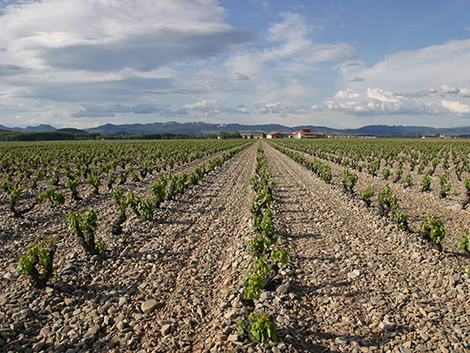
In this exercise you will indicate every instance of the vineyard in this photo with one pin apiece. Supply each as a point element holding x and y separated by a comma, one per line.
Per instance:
<point>235,246</point>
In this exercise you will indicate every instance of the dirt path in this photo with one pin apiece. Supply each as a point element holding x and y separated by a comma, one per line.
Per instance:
<point>363,284</point>
<point>206,237</point>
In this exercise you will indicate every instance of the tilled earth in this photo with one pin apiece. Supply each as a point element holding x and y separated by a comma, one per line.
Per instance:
<point>356,283</point>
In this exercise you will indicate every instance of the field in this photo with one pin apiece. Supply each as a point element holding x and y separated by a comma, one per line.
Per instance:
<point>172,261</point>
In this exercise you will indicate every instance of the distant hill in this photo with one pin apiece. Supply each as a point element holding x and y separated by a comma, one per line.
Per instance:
<point>201,128</point>
<point>72,131</point>
<point>198,128</point>
<point>39,128</point>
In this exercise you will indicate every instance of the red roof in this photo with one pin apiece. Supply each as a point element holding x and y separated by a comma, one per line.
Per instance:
<point>304,132</point>
<point>274,133</point>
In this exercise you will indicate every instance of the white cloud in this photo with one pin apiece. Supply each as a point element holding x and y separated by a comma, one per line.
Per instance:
<point>445,66</point>
<point>376,102</point>
<point>446,89</point>
<point>110,35</point>
<point>290,44</point>
<point>328,52</point>
<point>110,110</point>
<point>285,109</point>
<point>465,92</point>
<point>210,108</point>
<point>456,107</point>
<point>347,93</point>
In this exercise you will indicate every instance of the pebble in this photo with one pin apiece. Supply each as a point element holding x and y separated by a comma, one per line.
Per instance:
<point>148,306</point>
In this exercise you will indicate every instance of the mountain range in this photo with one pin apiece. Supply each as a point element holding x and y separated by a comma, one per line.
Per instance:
<point>199,128</point>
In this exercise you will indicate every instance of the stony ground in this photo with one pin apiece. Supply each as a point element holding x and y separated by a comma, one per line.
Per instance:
<point>356,283</point>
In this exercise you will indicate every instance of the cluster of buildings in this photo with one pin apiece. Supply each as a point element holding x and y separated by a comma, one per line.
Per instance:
<point>304,133</point>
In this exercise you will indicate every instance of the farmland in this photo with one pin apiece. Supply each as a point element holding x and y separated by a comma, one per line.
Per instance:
<point>168,259</point>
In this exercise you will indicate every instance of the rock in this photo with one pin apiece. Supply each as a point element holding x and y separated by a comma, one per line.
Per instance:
<point>354,274</point>
<point>7,275</point>
<point>232,314</point>
<point>456,207</point>
<point>200,312</point>
<point>45,331</point>
<point>233,338</point>
<point>93,330</point>
<point>166,329</point>
<point>69,301</point>
<point>122,301</point>
<point>386,326</point>
<point>148,306</point>
<point>341,340</point>
<point>192,238</point>
<point>283,288</point>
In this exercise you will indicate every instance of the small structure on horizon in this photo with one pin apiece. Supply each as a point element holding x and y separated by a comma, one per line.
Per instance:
<point>252,135</point>
<point>304,133</point>
<point>275,135</point>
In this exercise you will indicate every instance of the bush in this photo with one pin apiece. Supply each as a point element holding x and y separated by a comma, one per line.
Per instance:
<point>435,229</point>
<point>85,226</point>
<point>367,195</point>
<point>426,183</point>
<point>386,172</point>
<point>409,180</point>
<point>38,262</point>
<point>262,329</point>
<point>465,242</point>
<point>401,220</point>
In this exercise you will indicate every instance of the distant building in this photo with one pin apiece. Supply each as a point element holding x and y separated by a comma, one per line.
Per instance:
<point>274,135</point>
<point>304,133</point>
<point>252,135</point>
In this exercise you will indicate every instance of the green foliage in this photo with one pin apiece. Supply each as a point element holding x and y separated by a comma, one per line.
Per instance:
<point>255,278</point>
<point>280,255</point>
<point>87,222</point>
<point>435,228</point>
<point>326,174</point>
<point>101,246</point>
<point>94,180</point>
<point>256,222</point>
<point>159,189</point>
<point>84,227</point>
<point>134,177</point>
<point>374,166</point>
<point>387,198</point>
<point>241,327</point>
<point>259,245</point>
<point>368,193</point>
<point>72,184</point>
<point>445,185</point>
<point>386,172</point>
<point>52,195</point>
<point>466,184</point>
<point>348,181</point>
<point>426,183</point>
<point>37,262</point>
<point>111,180</point>
<point>144,208</point>
<point>409,180</point>
<point>465,242</point>
<point>262,329</point>
<point>401,219</point>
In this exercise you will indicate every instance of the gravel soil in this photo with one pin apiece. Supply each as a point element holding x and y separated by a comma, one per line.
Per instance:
<point>355,283</point>
<point>363,284</point>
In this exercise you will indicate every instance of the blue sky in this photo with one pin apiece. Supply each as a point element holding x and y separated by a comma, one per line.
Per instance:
<point>76,63</point>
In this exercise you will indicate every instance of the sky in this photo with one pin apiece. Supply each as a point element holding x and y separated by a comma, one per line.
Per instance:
<point>341,64</point>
